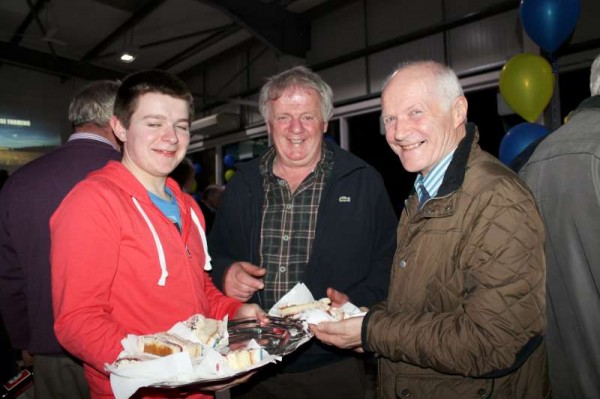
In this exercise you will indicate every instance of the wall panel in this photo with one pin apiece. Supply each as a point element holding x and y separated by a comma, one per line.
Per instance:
<point>347,80</point>
<point>485,43</point>
<point>457,8</point>
<point>383,63</point>
<point>337,33</point>
<point>390,19</point>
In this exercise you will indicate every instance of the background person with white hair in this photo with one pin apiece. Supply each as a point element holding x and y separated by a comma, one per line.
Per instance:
<point>564,175</point>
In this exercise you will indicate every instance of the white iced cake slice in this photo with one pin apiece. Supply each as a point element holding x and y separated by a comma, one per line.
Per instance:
<point>208,331</point>
<point>244,358</point>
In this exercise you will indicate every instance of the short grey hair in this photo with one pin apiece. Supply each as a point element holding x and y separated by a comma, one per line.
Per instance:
<point>94,103</point>
<point>448,86</point>
<point>595,77</point>
<point>299,76</point>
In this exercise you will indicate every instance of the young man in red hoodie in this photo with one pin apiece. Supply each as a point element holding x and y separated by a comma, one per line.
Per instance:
<point>129,250</point>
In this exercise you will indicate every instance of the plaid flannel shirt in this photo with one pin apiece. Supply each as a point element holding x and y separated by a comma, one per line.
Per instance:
<point>288,226</point>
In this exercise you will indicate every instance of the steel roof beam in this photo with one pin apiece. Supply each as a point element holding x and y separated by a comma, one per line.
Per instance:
<point>284,31</point>
<point>55,65</point>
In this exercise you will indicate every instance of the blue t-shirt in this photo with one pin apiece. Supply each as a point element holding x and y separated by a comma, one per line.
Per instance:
<point>169,208</point>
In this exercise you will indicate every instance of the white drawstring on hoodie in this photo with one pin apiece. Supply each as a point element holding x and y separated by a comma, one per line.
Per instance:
<point>161,252</point>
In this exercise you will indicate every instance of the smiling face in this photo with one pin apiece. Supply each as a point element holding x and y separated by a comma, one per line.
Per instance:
<point>419,127</point>
<point>296,127</point>
<point>156,139</point>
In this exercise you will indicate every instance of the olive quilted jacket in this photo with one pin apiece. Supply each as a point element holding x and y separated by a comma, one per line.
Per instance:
<point>465,313</point>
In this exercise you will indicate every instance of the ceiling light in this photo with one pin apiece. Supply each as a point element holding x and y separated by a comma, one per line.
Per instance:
<point>127,57</point>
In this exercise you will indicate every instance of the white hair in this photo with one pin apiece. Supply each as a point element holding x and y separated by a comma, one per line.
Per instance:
<point>447,84</point>
<point>299,76</point>
<point>595,77</point>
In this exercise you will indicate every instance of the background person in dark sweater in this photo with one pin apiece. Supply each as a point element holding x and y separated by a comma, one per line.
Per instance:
<point>27,201</point>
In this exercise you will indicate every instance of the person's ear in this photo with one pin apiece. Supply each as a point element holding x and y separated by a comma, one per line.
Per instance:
<point>118,128</point>
<point>459,111</point>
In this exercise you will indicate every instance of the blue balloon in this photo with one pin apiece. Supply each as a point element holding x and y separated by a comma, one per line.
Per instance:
<point>197,169</point>
<point>518,138</point>
<point>229,160</point>
<point>549,22</point>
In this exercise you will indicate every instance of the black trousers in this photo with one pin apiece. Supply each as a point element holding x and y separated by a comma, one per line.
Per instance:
<point>59,377</point>
<point>345,379</point>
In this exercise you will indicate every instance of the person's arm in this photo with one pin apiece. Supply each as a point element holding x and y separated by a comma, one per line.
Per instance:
<point>220,304</point>
<point>84,256</point>
<point>13,303</point>
<point>503,306</point>
<point>229,239</point>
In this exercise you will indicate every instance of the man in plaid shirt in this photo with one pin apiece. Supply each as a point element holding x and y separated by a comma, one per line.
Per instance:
<point>305,211</point>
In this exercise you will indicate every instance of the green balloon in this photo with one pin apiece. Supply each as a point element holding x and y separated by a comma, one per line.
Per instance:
<point>526,84</point>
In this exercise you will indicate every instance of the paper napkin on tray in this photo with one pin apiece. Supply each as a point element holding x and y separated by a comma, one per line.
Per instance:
<point>177,369</point>
<point>300,294</point>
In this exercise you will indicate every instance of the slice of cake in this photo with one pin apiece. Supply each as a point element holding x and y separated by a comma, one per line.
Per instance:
<point>164,344</point>
<point>243,358</point>
<point>208,331</point>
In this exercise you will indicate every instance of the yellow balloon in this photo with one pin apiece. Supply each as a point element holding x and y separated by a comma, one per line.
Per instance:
<point>229,174</point>
<point>526,84</point>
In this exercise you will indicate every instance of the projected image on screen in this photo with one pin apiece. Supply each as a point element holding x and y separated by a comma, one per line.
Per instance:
<point>21,142</point>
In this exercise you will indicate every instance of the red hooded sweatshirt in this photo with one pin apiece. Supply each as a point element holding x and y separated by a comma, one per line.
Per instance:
<point>119,266</point>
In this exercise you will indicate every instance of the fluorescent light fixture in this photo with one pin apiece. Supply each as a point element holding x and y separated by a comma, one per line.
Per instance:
<point>216,124</point>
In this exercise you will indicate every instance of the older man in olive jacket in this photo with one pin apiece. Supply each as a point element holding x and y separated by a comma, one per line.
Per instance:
<point>464,317</point>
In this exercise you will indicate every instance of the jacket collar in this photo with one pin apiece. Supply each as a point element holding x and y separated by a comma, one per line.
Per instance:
<point>455,174</point>
<point>444,203</point>
<point>343,164</point>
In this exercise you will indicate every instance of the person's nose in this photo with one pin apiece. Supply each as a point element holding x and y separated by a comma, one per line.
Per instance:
<point>296,125</point>
<point>400,131</point>
<point>170,134</point>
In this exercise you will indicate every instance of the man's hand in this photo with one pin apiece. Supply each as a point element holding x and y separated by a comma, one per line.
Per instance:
<point>242,280</point>
<point>337,298</point>
<point>344,334</point>
<point>252,311</point>
<point>26,358</point>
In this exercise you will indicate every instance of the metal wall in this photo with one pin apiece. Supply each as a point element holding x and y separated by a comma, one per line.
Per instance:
<point>356,46</point>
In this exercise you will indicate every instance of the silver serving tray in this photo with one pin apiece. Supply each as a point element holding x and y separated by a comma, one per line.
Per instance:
<point>280,337</point>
